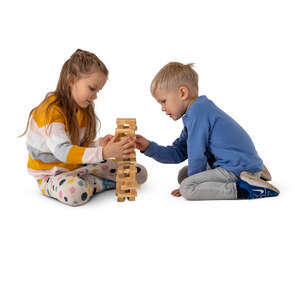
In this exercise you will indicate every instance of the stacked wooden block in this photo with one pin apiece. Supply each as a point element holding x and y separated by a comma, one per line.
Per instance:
<point>126,167</point>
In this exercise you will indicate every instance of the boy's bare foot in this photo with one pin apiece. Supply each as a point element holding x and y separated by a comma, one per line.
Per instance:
<point>176,193</point>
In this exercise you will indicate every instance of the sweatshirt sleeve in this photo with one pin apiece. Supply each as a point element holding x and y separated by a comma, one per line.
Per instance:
<point>95,143</point>
<point>60,145</point>
<point>198,133</point>
<point>169,154</point>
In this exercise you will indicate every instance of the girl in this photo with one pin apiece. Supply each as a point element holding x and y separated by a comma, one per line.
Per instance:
<point>63,156</point>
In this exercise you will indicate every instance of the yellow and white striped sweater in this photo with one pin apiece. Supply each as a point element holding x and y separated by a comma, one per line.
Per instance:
<point>53,153</point>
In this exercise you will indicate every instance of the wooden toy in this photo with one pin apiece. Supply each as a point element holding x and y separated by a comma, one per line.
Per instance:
<point>126,167</point>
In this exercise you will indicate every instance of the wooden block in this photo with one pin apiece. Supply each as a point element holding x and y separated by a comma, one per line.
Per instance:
<point>125,131</point>
<point>129,185</point>
<point>126,122</point>
<point>126,167</point>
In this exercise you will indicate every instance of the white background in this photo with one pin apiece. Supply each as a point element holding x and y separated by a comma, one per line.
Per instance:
<point>158,247</point>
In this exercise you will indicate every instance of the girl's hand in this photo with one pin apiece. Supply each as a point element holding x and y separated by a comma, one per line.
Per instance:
<point>120,149</point>
<point>103,142</point>
<point>141,143</point>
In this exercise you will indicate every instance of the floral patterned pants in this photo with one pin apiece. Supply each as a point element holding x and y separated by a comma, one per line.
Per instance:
<point>76,187</point>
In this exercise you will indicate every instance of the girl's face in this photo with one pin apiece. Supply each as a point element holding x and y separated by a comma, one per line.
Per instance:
<point>84,89</point>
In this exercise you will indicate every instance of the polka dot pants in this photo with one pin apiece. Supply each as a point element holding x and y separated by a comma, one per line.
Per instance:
<point>76,187</point>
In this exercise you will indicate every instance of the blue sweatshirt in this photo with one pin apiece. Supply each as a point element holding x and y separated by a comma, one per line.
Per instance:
<point>209,136</point>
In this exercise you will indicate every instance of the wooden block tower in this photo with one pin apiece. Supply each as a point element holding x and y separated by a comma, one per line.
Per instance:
<point>126,168</point>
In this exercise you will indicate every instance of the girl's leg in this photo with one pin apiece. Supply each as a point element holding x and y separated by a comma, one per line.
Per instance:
<point>77,186</point>
<point>107,169</point>
<point>213,184</point>
<point>73,189</point>
<point>67,188</point>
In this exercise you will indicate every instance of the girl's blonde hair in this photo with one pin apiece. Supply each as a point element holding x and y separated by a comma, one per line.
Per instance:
<point>173,75</point>
<point>80,63</point>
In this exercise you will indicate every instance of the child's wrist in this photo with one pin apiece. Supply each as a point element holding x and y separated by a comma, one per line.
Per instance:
<point>104,153</point>
<point>146,147</point>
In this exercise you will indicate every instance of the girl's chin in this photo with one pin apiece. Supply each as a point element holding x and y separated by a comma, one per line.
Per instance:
<point>84,104</point>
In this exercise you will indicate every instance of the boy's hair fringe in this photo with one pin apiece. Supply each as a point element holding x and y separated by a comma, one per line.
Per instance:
<point>80,63</point>
<point>173,75</point>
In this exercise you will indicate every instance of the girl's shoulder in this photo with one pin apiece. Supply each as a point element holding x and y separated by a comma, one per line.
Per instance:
<point>48,112</point>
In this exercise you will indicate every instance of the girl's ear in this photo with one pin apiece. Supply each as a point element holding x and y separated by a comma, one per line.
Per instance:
<point>72,79</point>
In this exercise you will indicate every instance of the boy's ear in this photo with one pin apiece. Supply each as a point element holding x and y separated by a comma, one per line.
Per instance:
<point>183,92</point>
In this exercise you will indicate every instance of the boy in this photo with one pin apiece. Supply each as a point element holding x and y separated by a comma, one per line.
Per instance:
<point>222,160</point>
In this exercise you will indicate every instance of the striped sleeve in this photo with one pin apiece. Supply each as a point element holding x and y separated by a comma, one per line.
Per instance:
<point>60,145</point>
<point>95,143</point>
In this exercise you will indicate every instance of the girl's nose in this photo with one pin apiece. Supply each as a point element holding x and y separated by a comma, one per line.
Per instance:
<point>94,97</point>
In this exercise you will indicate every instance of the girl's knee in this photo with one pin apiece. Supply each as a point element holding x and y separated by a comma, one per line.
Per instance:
<point>141,174</point>
<point>74,191</point>
<point>78,198</point>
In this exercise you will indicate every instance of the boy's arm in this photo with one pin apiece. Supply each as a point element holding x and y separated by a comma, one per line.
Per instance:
<point>169,154</point>
<point>198,135</point>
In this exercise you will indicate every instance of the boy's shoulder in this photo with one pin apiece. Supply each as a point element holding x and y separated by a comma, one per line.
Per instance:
<point>201,106</point>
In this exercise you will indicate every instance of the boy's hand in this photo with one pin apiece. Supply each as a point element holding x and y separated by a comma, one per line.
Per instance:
<point>104,141</point>
<point>176,193</point>
<point>141,143</point>
<point>120,149</point>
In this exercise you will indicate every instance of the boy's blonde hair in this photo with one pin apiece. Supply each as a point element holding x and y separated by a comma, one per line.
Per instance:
<point>173,75</point>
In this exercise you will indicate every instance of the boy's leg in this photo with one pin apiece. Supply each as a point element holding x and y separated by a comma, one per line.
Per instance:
<point>183,173</point>
<point>213,184</point>
<point>251,186</point>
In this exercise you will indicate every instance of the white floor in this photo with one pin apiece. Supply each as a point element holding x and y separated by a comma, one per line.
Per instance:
<point>158,247</point>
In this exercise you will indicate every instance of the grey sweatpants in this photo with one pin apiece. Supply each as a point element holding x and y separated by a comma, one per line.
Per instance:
<point>212,184</point>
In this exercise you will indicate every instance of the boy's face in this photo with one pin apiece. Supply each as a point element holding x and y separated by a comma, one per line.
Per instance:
<point>84,89</point>
<point>173,103</point>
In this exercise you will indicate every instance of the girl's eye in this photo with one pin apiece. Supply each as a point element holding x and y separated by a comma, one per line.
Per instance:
<point>92,89</point>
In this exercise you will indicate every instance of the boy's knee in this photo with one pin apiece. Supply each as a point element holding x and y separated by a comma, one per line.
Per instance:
<point>182,174</point>
<point>186,190</point>
<point>185,194</point>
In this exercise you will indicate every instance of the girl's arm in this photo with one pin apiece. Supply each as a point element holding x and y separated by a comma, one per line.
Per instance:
<point>60,145</point>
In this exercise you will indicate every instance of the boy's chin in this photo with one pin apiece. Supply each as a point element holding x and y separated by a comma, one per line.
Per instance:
<point>175,118</point>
